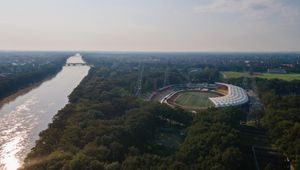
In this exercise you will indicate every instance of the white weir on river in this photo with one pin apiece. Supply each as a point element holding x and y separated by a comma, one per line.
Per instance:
<point>24,118</point>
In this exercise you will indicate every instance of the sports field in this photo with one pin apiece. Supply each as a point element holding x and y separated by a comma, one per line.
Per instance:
<point>195,99</point>
<point>287,77</point>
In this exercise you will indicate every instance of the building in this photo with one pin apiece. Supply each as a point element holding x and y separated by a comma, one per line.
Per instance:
<point>228,95</point>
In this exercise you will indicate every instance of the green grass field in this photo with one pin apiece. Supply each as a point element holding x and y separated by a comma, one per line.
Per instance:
<point>234,74</point>
<point>287,77</point>
<point>195,99</point>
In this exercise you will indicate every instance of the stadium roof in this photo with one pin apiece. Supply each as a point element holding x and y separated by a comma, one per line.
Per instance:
<point>236,96</point>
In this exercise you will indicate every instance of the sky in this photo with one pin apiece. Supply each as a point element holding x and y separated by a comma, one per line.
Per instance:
<point>150,25</point>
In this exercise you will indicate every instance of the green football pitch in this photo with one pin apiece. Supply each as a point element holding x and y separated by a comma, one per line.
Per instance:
<point>195,99</point>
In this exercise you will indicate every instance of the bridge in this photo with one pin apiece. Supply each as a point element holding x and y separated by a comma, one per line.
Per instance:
<point>76,60</point>
<point>76,64</point>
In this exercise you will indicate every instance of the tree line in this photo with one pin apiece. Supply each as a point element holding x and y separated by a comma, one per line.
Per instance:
<point>106,127</point>
<point>20,80</point>
<point>281,116</point>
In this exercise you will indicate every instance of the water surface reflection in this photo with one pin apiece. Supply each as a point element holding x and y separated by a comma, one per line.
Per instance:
<point>22,119</point>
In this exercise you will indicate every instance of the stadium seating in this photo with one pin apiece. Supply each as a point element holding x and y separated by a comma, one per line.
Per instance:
<point>236,96</point>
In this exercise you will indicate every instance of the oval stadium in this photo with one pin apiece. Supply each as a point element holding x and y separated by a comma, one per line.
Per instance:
<point>201,96</point>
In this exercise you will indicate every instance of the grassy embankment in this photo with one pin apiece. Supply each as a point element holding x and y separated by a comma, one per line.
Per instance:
<point>286,77</point>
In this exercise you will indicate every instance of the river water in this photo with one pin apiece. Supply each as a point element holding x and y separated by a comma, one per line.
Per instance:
<point>24,118</point>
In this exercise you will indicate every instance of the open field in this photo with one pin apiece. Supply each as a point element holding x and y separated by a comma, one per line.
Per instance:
<point>195,99</point>
<point>287,77</point>
<point>234,74</point>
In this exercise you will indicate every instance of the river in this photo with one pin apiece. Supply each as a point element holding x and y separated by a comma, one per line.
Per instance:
<point>22,119</point>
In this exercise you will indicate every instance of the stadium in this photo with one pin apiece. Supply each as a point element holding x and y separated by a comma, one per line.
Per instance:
<point>201,96</point>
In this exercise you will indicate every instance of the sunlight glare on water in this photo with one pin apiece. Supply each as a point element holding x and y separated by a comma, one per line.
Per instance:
<point>24,118</point>
<point>11,149</point>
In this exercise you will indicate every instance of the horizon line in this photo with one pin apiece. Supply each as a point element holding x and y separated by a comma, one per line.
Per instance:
<point>155,51</point>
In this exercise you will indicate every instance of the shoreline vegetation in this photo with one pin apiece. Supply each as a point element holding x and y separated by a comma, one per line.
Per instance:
<point>24,90</point>
<point>11,88</point>
<point>19,93</point>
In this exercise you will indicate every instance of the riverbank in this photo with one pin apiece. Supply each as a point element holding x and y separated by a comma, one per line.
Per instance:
<point>23,91</point>
<point>24,114</point>
<point>28,77</point>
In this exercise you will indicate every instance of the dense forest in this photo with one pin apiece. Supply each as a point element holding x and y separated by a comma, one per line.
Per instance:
<point>106,127</point>
<point>281,116</point>
<point>110,124</point>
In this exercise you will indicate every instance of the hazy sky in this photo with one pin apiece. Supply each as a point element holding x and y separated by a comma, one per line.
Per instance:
<point>150,25</point>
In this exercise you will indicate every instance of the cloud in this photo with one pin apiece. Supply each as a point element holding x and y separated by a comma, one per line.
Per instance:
<point>257,9</point>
